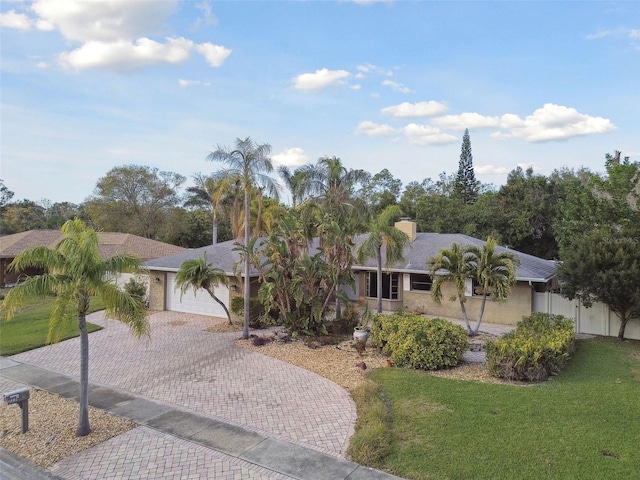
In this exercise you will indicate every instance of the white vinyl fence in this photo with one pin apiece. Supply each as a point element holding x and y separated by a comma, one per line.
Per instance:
<point>596,320</point>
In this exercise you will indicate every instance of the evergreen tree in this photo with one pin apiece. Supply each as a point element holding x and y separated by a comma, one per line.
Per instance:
<point>466,185</point>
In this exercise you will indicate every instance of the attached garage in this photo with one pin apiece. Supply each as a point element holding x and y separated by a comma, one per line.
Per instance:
<point>201,303</point>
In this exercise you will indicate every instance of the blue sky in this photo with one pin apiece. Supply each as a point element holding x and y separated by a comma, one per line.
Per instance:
<point>88,85</point>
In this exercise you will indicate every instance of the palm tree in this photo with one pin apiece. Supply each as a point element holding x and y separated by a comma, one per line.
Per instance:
<point>74,272</point>
<point>453,264</point>
<point>248,164</point>
<point>212,192</point>
<point>197,274</point>
<point>383,234</point>
<point>495,273</point>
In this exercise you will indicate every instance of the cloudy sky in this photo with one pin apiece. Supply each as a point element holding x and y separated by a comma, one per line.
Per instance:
<point>88,85</point>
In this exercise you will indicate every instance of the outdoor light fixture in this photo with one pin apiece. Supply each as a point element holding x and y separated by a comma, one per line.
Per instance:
<point>233,287</point>
<point>157,279</point>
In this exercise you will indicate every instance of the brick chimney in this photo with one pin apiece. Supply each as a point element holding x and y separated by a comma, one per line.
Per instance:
<point>407,226</point>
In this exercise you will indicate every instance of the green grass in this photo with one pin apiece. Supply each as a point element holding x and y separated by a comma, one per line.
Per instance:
<point>582,424</point>
<point>29,327</point>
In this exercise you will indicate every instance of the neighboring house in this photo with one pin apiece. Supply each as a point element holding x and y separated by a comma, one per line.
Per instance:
<point>405,285</point>
<point>110,243</point>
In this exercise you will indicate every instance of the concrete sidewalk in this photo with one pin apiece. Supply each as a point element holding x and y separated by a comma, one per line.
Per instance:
<point>202,447</point>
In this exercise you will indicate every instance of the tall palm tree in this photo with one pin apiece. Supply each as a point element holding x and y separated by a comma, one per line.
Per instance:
<point>249,165</point>
<point>453,264</point>
<point>495,273</point>
<point>197,274</point>
<point>212,192</point>
<point>74,272</point>
<point>382,233</point>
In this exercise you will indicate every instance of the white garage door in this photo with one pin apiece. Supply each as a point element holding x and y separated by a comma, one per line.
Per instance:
<point>201,303</point>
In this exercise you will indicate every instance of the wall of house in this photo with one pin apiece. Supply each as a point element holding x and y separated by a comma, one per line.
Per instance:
<point>157,290</point>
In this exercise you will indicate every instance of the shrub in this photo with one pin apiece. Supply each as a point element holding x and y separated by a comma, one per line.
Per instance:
<point>257,317</point>
<point>419,342</point>
<point>136,289</point>
<point>539,347</point>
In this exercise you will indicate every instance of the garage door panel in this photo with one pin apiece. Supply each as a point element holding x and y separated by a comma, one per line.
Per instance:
<point>199,303</point>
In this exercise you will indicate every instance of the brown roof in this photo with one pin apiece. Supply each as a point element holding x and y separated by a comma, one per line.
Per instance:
<point>111,243</point>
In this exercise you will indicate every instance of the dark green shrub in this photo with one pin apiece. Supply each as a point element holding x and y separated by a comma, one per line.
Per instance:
<point>136,289</point>
<point>419,342</point>
<point>257,318</point>
<point>539,347</point>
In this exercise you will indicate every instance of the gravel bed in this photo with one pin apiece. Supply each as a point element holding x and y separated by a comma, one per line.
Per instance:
<point>52,428</point>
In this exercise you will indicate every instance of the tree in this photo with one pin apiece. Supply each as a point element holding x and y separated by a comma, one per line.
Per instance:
<point>604,267</point>
<point>248,164</point>
<point>134,199</point>
<point>495,273</point>
<point>196,274</point>
<point>74,272</point>
<point>466,186</point>
<point>381,190</point>
<point>454,264</point>
<point>211,192</point>
<point>5,194</point>
<point>382,233</point>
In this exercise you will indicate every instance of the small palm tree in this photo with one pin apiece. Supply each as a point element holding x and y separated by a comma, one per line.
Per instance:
<point>495,273</point>
<point>197,274</point>
<point>74,272</point>
<point>383,234</point>
<point>455,265</point>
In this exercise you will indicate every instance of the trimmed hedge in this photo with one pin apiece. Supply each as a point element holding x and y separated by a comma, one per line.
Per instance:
<point>539,347</point>
<point>419,342</point>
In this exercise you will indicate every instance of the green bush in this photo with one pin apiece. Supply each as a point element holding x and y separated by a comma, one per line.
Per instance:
<point>257,318</point>
<point>136,289</point>
<point>539,347</point>
<point>420,342</point>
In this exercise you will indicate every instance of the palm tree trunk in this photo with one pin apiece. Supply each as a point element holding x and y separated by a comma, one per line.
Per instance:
<point>83,420</point>
<point>221,303</point>
<point>477,329</point>
<point>247,282</point>
<point>214,231</point>
<point>379,277</point>
<point>465,317</point>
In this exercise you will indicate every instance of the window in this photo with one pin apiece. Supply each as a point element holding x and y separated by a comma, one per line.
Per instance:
<point>390,283</point>
<point>421,281</point>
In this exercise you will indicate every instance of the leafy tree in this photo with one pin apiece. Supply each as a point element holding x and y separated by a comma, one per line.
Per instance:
<point>604,266</point>
<point>382,233</point>
<point>466,185</point>
<point>134,199</point>
<point>211,193</point>
<point>5,194</point>
<point>495,273</point>
<point>74,272</point>
<point>196,274</point>
<point>248,165</point>
<point>381,190</point>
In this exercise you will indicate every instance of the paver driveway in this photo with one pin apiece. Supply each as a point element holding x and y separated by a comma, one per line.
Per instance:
<point>184,366</point>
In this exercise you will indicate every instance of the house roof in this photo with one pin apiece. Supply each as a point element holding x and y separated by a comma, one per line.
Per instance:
<point>427,245</point>
<point>110,243</point>
<point>416,254</point>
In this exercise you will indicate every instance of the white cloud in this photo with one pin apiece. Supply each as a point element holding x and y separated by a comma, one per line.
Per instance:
<point>398,87</point>
<point>414,110</point>
<point>321,79</point>
<point>370,68</point>
<point>188,83</point>
<point>600,34</point>
<point>467,120</point>
<point>490,170</point>
<point>214,54</point>
<point>124,55</point>
<point>104,20</point>
<point>208,17</point>
<point>427,135</point>
<point>19,21</point>
<point>290,157</point>
<point>557,122</point>
<point>374,130</point>
<point>634,33</point>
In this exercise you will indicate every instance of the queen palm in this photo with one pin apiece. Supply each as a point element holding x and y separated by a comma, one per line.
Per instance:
<point>74,272</point>
<point>495,273</point>
<point>249,165</point>
<point>454,264</point>
<point>211,192</point>
<point>382,233</point>
<point>196,274</point>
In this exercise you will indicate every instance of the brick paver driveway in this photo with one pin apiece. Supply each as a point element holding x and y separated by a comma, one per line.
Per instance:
<point>184,366</point>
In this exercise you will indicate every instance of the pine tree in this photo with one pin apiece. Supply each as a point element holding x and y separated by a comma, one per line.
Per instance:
<point>466,185</point>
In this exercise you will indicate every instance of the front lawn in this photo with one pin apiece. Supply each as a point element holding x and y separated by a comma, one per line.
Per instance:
<point>28,328</point>
<point>581,424</point>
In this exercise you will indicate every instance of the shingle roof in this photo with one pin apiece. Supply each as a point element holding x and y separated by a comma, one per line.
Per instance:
<point>425,246</point>
<point>110,243</point>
